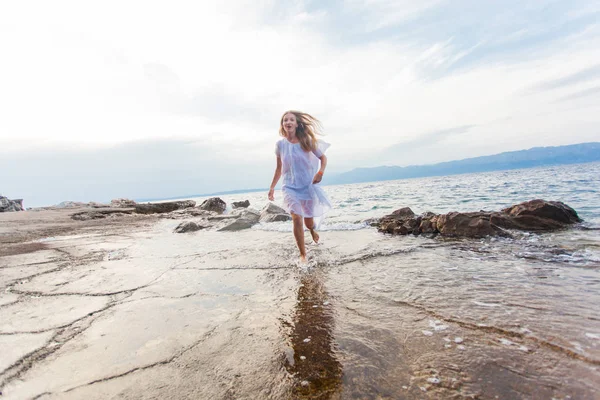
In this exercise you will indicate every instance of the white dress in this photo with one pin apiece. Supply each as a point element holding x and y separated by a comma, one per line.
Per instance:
<point>300,195</point>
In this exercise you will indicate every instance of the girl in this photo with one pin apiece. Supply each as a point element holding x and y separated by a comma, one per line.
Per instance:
<point>298,155</point>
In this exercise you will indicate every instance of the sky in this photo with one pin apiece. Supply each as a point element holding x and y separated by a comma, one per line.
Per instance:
<point>146,99</point>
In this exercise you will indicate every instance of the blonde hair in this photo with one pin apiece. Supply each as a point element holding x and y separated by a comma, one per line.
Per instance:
<point>306,132</point>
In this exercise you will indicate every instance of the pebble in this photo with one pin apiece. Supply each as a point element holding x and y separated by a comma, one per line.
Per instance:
<point>434,380</point>
<point>304,383</point>
<point>302,358</point>
<point>306,340</point>
<point>461,347</point>
<point>427,333</point>
<point>458,340</point>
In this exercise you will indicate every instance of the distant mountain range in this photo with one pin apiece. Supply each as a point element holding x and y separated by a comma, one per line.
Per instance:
<point>535,157</point>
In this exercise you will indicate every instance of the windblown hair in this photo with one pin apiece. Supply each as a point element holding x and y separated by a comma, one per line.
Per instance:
<point>308,129</point>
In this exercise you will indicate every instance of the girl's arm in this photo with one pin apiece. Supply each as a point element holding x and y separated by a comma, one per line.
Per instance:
<point>275,179</point>
<point>319,174</point>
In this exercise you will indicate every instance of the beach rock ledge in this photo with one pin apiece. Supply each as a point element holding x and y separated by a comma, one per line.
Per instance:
<point>532,216</point>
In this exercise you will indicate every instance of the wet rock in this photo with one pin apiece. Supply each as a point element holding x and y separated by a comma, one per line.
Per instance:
<point>400,222</point>
<point>403,213</point>
<point>188,226</point>
<point>371,221</point>
<point>8,205</point>
<point>246,219</point>
<point>473,225</point>
<point>555,211</point>
<point>241,204</point>
<point>159,208</point>
<point>214,204</point>
<point>273,213</point>
<point>534,216</point>
<point>122,203</point>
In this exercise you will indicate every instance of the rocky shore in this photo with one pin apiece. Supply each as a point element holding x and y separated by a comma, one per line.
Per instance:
<point>531,216</point>
<point>182,300</point>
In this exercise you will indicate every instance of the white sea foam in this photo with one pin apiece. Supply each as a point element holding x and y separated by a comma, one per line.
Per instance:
<point>480,303</point>
<point>288,227</point>
<point>437,325</point>
<point>593,335</point>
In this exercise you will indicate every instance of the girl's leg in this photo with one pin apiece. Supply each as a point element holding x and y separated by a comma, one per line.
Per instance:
<point>310,224</point>
<point>299,235</point>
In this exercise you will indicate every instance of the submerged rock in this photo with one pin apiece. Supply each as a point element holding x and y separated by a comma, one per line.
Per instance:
<point>534,216</point>
<point>273,213</point>
<point>168,206</point>
<point>214,204</point>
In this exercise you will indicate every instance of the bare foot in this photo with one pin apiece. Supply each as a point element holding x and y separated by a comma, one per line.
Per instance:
<point>314,235</point>
<point>302,259</point>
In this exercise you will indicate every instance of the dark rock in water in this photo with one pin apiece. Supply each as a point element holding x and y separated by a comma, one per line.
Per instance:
<point>188,226</point>
<point>157,208</point>
<point>214,204</point>
<point>474,225</point>
<point>403,213</point>
<point>534,216</point>
<point>241,204</point>
<point>122,203</point>
<point>273,213</point>
<point>400,222</point>
<point>551,210</point>
<point>100,214</point>
<point>7,205</point>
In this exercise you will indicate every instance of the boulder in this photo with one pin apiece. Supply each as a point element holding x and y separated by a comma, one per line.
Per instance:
<point>122,203</point>
<point>551,210</point>
<point>7,205</point>
<point>214,204</point>
<point>168,206</point>
<point>273,213</point>
<point>472,225</point>
<point>241,204</point>
<point>400,222</point>
<point>533,216</point>
<point>246,219</point>
<point>188,226</point>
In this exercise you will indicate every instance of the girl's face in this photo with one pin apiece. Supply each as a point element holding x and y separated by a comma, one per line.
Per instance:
<point>289,123</point>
